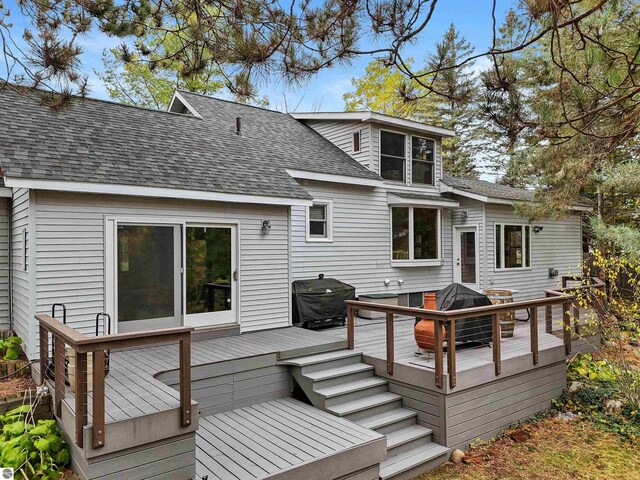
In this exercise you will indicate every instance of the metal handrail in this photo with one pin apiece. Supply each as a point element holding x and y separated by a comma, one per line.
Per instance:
<point>64,335</point>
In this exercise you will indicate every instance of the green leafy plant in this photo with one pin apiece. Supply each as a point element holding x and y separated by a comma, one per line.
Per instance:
<point>10,348</point>
<point>585,367</point>
<point>34,451</point>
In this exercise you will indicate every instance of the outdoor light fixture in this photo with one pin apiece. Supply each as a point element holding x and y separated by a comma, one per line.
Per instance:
<point>537,229</point>
<point>464,214</point>
<point>266,227</point>
<point>387,282</point>
<point>400,281</point>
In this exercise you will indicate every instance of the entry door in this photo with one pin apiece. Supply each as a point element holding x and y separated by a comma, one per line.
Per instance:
<point>210,275</point>
<point>465,253</point>
<point>148,277</point>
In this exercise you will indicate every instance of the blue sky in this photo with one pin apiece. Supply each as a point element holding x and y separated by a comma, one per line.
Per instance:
<point>325,90</point>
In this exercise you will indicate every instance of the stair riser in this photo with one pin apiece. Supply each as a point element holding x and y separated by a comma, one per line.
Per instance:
<point>374,410</point>
<point>418,442</point>
<point>352,377</point>
<point>339,362</point>
<point>360,394</point>
<point>419,469</point>
<point>396,426</point>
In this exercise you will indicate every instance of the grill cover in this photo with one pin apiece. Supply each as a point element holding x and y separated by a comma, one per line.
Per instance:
<point>318,300</point>
<point>475,329</point>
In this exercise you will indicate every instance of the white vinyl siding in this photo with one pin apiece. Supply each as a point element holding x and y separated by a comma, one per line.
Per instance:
<point>22,311</point>
<point>4,263</point>
<point>360,254</point>
<point>70,250</point>
<point>341,135</point>
<point>558,245</point>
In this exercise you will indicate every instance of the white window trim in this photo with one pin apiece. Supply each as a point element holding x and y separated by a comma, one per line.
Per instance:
<point>525,248</point>
<point>432,262</point>
<point>395,182</point>
<point>410,161</point>
<point>353,141</point>
<point>329,238</point>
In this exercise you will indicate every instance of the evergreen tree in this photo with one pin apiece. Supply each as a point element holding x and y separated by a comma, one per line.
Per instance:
<point>448,102</point>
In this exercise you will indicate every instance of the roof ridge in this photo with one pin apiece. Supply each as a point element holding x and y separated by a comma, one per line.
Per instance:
<point>209,97</point>
<point>100,100</point>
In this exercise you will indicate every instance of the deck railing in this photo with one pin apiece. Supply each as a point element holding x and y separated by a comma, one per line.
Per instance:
<point>65,336</point>
<point>448,319</point>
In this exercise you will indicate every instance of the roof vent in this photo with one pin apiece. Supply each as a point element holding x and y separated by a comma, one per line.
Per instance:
<point>238,126</point>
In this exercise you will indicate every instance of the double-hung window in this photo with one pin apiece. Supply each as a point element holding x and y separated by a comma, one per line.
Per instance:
<point>392,156</point>
<point>415,234</point>
<point>422,160</point>
<point>319,226</point>
<point>513,246</point>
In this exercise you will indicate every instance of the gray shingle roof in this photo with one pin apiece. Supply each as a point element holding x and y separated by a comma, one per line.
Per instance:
<point>103,142</point>
<point>488,189</point>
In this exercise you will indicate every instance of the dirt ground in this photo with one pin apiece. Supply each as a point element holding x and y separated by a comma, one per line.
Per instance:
<point>14,385</point>
<point>552,449</point>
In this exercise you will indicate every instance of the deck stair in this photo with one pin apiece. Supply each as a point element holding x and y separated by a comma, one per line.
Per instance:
<point>341,383</point>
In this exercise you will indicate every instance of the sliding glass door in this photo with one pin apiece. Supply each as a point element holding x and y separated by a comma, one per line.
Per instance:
<point>148,277</point>
<point>165,275</point>
<point>210,275</point>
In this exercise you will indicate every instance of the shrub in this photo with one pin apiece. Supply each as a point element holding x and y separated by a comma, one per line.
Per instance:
<point>34,451</point>
<point>10,348</point>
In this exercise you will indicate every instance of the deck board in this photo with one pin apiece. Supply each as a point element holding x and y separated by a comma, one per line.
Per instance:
<point>292,439</point>
<point>131,389</point>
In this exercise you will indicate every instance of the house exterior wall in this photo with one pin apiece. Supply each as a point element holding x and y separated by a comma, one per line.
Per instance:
<point>4,263</point>
<point>70,249</point>
<point>341,134</point>
<point>360,253</point>
<point>558,245</point>
<point>22,279</point>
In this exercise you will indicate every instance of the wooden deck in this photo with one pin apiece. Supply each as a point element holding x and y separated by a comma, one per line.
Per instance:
<point>131,387</point>
<point>474,365</point>
<point>284,439</point>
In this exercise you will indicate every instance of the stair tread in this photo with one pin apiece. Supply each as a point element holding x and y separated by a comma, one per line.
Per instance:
<point>363,403</point>
<point>337,372</point>
<point>321,358</point>
<point>349,387</point>
<point>386,418</point>
<point>411,458</point>
<point>406,435</point>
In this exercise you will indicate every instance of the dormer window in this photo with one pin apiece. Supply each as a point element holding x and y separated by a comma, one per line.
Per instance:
<point>356,142</point>
<point>392,156</point>
<point>422,160</point>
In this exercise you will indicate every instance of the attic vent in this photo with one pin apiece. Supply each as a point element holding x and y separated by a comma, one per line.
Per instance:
<point>238,126</point>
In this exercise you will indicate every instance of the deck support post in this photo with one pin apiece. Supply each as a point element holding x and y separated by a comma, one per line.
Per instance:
<point>59,373</point>
<point>576,319</point>
<point>566,327</point>
<point>350,328</point>
<point>497,357</point>
<point>185,380</point>
<point>548,317</point>
<point>81,394</point>
<point>44,354</point>
<point>533,323</point>
<point>390,344</point>
<point>451,353</point>
<point>98,399</point>
<point>438,352</point>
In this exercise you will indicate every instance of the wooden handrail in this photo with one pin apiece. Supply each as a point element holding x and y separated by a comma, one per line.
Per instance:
<point>564,297</point>
<point>65,335</point>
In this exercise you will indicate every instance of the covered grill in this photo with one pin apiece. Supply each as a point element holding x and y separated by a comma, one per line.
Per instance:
<point>320,301</point>
<point>475,329</point>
